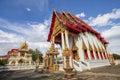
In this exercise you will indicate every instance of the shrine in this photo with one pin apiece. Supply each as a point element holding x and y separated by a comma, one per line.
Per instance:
<point>82,47</point>
<point>50,60</point>
<point>20,56</point>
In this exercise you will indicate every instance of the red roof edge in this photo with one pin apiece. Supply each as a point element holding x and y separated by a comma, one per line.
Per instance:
<point>51,27</point>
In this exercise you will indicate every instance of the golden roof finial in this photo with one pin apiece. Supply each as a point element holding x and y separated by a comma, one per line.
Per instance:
<point>24,45</point>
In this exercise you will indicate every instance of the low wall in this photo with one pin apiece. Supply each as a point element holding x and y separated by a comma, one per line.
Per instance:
<point>117,61</point>
<point>23,67</point>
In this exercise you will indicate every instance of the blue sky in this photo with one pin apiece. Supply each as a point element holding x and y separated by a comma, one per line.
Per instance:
<point>29,20</point>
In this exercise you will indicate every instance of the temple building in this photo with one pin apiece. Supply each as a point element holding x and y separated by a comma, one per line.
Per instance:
<point>20,56</point>
<point>86,46</point>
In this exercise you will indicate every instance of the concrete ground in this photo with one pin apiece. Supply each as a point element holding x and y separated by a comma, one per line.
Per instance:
<point>102,73</point>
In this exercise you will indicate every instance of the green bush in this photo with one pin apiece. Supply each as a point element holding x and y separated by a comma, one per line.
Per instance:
<point>3,62</point>
<point>116,56</point>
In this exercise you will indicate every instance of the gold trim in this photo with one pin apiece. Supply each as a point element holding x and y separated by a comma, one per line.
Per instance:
<point>103,50</point>
<point>74,47</point>
<point>99,49</point>
<point>95,49</point>
<point>57,29</point>
<point>83,45</point>
<point>90,47</point>
<point>52,50</point>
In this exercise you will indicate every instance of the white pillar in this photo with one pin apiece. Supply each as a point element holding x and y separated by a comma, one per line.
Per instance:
<point>106,54</point>
<point>80,50</point>
<point>94,55</point>
<point>99,55</point>
<point>103,55</point>
<point>66,39</point>
<point>89,54</point>
<point>63,42</point>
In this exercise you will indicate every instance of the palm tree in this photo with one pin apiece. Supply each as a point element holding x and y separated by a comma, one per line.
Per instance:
<point>35,54</point>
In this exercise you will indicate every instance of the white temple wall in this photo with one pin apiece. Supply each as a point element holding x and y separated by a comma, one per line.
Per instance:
<point>80,50</point>
<point>85,39</point>
<point>70,42</point>
<point>89,38</point>
<point>94,39</point>
<point>93,44</point>
<point>97,43</point>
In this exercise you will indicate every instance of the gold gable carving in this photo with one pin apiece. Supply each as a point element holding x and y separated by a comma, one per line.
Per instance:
<point>95,48</point>
<point>57,28</point>
<point>90,47</point>
<point>74,47</point>
<point>103,50</point>
<point>83,45</point>
<point>99,49</point>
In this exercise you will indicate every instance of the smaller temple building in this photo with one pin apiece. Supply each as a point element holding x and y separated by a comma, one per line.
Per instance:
<point>20,56</point>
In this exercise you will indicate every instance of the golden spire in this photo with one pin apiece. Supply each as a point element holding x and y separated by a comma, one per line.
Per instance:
<point>24,45</point>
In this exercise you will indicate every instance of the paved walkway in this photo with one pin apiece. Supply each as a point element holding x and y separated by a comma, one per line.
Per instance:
<point>102,73</point>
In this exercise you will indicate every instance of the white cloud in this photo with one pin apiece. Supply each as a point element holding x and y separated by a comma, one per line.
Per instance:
<point>113,32</point>
<point>113,36</point>
<point>6,37</point>
<point>105,19</point>
<point>34,33</point>
<point>28,9</point>
<point>80,15</point>
<point>42,46</point>
<point>29,30</point>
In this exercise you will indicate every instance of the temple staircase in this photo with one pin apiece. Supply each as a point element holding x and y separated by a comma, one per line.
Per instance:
<point>87,65</point>
<point>80,65</point>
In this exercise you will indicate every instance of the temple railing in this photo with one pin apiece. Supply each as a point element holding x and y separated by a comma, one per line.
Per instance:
<point>77,65</point>
<point>85,65</point>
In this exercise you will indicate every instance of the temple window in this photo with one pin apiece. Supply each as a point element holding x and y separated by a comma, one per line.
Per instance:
<point>22,54</point>
<point>97,55</point>
<point>92,55</point>
<point>104,55</point>
<point>101,55</point>
<point>86,54</point>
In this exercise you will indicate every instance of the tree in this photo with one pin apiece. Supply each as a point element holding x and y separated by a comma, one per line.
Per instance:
<point>116,56</point>
<point>35,54</point>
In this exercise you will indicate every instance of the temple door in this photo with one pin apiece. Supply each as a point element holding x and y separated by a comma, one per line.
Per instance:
<point>86,54</point>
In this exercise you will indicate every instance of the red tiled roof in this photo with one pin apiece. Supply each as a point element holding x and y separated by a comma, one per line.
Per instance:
<point>9,52</point>
<point>4,56</point>
<point>73,24</point>
<point>13,51</point>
